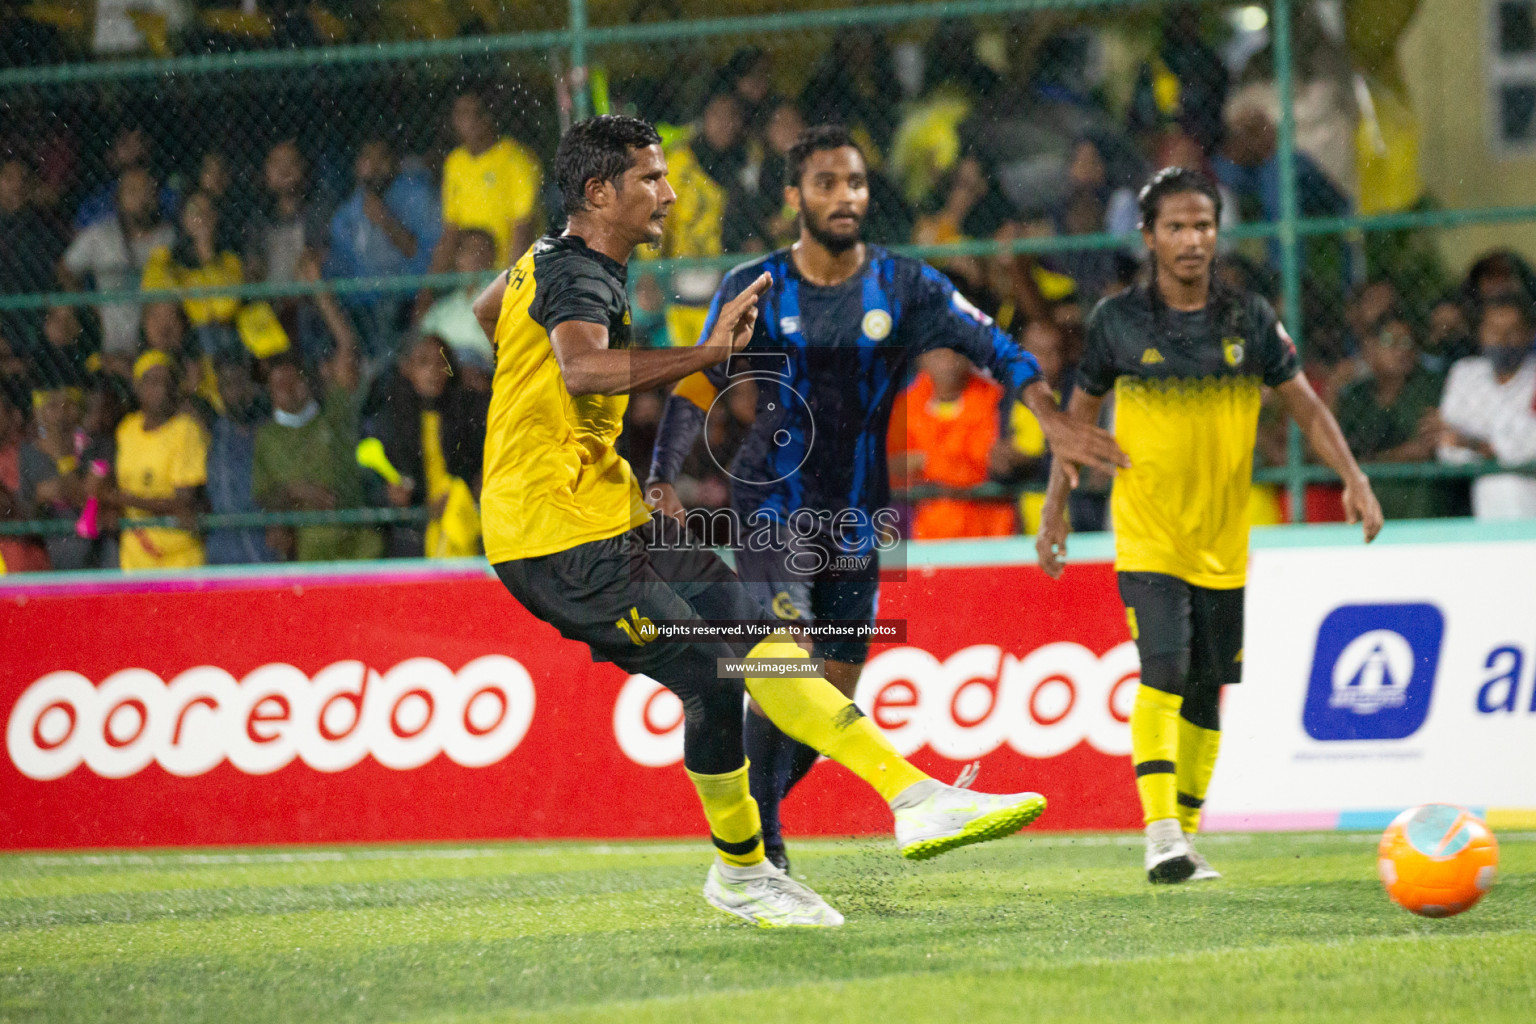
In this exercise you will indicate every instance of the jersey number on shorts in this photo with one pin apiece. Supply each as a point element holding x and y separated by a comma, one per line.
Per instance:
<point>640,631</point>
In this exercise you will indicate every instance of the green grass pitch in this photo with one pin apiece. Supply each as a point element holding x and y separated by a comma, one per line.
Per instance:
<point>1038,928</point>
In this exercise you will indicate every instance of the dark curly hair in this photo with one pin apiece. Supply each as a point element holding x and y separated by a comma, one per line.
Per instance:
<point>818,139</point>
<point>599,147</point>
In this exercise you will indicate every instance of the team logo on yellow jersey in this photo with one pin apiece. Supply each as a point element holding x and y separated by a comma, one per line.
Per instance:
<point>877,324</point>
<point>1232,350</point>
<point>1151,356</point>
<point>784,606</point>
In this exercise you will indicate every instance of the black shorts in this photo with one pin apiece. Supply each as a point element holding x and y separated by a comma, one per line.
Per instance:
<point>598,594</point>
<point>812,580</point>
<point>1170,617</point>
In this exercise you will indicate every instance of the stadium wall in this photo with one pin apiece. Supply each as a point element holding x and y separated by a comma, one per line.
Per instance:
<point>1445,64</point>
<point>417,702</point>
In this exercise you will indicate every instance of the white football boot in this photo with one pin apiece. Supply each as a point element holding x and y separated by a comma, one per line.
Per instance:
<point>1203,871</point>
<point>1168,852</point>
<point>767,897</point>
<point>932,818</point>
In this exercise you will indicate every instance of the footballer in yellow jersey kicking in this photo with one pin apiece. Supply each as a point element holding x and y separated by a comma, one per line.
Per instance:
<point>1186,359</point>
<point>571,538</point>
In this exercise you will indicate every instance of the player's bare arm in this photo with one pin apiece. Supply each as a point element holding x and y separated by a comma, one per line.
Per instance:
<point>487,307</point>
<point>1051,543</point>
<point>590,367</point>
<point>1327,441</point>
<point>1074,442</point>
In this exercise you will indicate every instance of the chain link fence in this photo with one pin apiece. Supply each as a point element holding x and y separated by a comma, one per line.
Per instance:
<point>241,186</point>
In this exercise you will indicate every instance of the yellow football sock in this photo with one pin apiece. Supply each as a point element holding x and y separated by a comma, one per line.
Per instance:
<point>811,710</point>
<point>734,824</point>
<point>1154,750</point>
<point>1196,762</point>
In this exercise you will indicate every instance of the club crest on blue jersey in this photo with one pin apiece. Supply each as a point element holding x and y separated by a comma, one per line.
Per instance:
<point>877,325</point>
<point>1232,350</point>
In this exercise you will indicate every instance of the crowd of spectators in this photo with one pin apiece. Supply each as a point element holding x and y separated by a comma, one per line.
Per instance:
<point>133,409</point>
<point>125,409</point>
<point>1456,387</point>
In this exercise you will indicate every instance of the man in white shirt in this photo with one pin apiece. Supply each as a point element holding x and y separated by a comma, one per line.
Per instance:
<point>1489,410</point>
<point>289,222</point>
<point>112,253</point>
<point>452,317</point>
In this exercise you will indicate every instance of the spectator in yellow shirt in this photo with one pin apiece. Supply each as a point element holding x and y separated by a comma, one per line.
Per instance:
<point>198,259</point>
<point>489,182</point>
<point>162,459</point>
<point>705,170</point>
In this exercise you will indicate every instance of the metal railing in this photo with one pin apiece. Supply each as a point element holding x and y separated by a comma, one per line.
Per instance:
<point>1377,471</point>
<point>207,521</point>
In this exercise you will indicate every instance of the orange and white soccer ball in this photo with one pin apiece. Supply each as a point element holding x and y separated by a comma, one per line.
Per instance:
<point>1437,860</point>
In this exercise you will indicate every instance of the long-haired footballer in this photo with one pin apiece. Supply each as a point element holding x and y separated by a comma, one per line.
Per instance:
<point>1186,359</point>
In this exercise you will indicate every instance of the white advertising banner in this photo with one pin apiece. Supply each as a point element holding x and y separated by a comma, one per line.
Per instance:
<point>1376,678</point>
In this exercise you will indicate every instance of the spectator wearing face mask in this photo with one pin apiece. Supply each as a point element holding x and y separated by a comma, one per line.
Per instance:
<point>1489,410</point>
<point>305,458</point>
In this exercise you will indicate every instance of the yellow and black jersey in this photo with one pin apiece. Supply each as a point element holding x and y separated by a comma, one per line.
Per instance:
<point>1186,412</point>
<point>553,478</point>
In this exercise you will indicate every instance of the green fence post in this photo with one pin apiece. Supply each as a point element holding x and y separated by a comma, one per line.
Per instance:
<point>581,98</point>
<point>1290,249</point>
